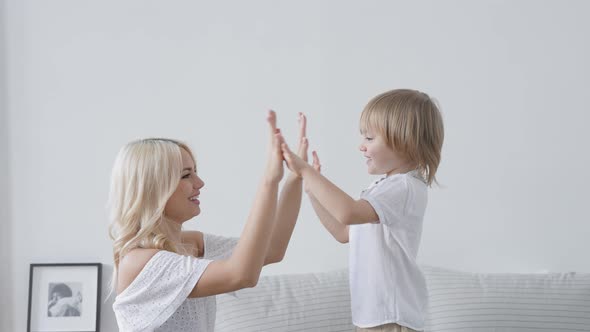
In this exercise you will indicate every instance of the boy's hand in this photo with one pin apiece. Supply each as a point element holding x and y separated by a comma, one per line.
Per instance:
<point>274,172</point>
<point>315,164</point>
<point>294,162</point>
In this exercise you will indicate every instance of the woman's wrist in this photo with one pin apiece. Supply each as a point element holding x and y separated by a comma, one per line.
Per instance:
<point>271,180</point>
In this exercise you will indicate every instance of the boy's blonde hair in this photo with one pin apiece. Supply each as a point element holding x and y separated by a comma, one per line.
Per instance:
<point>411,123</point>
<point>145,175</point>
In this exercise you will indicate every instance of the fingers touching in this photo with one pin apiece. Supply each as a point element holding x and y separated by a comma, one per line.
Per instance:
<point>297,161</point>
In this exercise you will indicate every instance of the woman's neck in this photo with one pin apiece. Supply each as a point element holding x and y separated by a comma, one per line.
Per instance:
<point>174,230</point>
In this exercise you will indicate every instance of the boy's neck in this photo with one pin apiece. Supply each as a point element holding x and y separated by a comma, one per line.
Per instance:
<point>401,170</point>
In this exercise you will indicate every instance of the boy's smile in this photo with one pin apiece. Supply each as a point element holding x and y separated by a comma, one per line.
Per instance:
<point>381,159</point>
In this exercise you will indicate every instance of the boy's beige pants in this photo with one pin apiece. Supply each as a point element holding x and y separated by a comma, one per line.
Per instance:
<point>385,328</point>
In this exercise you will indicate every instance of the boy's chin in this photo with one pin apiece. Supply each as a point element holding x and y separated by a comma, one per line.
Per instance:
<point>376,172</point>
<point>373,172</point>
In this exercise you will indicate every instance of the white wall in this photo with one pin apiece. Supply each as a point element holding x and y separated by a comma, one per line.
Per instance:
<point>6,299</point>
<point>512,78</point>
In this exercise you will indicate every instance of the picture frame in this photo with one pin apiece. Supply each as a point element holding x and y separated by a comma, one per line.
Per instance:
<point>64,297</point>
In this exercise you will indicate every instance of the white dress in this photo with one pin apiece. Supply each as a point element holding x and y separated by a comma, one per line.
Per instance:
<point>157,300</point>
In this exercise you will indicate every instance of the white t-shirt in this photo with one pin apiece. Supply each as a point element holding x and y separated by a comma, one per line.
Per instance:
<point>386,285</point>
<point>157,300</point>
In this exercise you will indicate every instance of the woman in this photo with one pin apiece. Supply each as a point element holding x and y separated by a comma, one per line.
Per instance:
<point>165,278</point>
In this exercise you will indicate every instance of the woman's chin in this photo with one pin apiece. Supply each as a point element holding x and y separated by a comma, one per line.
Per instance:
<point>197,212</point>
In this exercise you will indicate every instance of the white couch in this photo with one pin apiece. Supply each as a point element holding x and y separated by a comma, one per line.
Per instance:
<point>459,301</point>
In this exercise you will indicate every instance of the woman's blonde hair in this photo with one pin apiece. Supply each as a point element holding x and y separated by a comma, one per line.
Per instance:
<point>411,123</point>
<point>145,174</point>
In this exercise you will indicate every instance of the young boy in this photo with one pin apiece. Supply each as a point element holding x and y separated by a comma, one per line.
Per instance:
<point>402,139</point>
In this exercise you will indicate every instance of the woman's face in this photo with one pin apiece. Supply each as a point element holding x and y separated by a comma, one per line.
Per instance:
<point>184,203</point>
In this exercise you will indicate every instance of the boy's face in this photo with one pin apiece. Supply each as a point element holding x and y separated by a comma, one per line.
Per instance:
<point>381,159</point>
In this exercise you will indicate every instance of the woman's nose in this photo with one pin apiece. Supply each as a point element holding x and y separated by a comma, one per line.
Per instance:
<point>199,183</point>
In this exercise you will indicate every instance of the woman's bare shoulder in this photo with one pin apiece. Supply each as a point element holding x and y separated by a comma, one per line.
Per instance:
<point>131,265</point>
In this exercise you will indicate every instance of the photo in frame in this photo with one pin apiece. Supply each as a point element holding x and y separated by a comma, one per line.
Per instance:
<point>64,297</point>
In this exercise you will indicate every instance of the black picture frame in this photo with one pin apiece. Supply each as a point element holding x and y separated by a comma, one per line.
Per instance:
<point>64,297</point>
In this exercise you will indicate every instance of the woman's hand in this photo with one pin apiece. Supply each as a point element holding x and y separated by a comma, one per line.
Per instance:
<point>303,142</point>
<point>274,169</point>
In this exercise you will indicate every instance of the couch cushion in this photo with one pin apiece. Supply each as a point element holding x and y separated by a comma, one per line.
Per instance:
<point>295,302</point>
<point>461,301</point>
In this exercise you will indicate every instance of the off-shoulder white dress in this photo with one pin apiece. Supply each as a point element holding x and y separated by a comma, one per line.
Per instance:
<point>157,300</point>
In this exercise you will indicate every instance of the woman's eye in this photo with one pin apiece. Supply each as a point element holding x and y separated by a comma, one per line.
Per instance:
<point>186,176</point>
<point>369,138</point>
